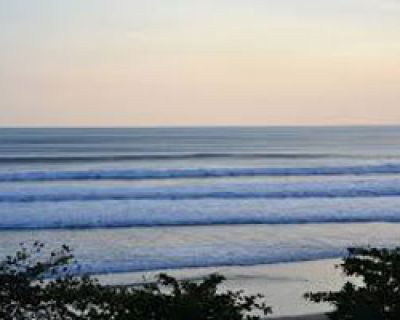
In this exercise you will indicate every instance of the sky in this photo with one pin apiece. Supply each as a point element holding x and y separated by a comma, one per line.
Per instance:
<point>199,62</point>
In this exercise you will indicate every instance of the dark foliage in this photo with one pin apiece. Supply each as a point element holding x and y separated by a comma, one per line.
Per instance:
<point>40,287</point>
<point>378,295</point>
<point>33,286</point>
<point>169,299</point>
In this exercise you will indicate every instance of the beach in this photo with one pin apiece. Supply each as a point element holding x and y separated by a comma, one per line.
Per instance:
<point>247,149</point>
<point>306,317</point>
<point>283,285</point>
<point>272,209</point>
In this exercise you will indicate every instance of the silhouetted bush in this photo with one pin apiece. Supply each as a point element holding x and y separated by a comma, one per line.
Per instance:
<point>38,286</point>
<point>169,299</point>
<point>377,297</point>
<point>35,286</point>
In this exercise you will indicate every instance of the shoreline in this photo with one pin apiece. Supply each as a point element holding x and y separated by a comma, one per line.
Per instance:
<point>283,285</point>
<point>320,316</point>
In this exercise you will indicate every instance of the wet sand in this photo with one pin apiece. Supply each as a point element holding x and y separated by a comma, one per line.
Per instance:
<point>283,285</point>
<point>305,317</point>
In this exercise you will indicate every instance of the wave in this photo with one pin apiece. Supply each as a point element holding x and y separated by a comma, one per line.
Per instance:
<point>149,213</point>
<point>300,255</point>
<point>200,223</point>
<point>138,250</point>
<point>142,174</point>
<point>169,156</point>
<point>354,189</point>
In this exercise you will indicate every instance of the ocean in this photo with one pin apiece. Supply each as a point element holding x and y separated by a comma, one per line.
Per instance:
<point>150,199</point>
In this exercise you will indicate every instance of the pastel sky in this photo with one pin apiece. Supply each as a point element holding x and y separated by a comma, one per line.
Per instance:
<point>199,62</point>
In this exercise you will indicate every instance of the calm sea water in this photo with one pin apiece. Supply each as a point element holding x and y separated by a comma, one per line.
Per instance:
<point>150,199</point>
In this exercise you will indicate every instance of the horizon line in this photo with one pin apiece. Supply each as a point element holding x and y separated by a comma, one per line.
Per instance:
<point>202,126</point>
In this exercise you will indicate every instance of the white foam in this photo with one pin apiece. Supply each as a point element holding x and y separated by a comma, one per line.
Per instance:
<point>317,189</point>
<point>136,174</point>
<point>107,214</point>
<point>136,249</point>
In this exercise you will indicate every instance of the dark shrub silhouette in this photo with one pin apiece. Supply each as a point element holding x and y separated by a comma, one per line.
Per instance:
<point>34,286</point>
<point>37,286</point>
<point>169,299</point>
<point>378,295</point>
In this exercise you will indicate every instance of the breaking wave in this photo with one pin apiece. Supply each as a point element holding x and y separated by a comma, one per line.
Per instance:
<point>347,189</point>
<point>149,213</point>
<point>142,174</point>
<point>172,156</point>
